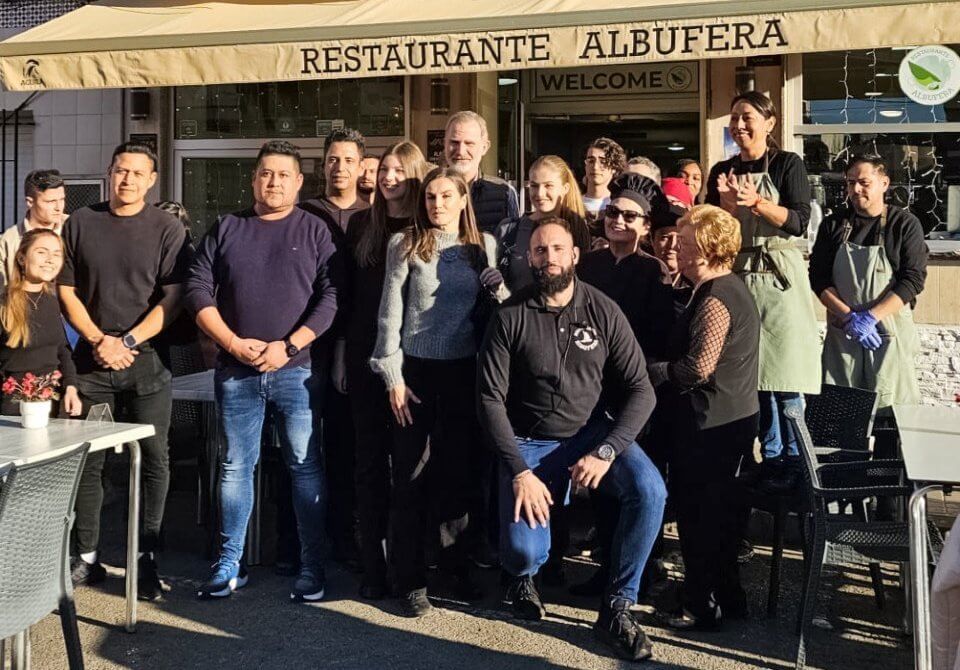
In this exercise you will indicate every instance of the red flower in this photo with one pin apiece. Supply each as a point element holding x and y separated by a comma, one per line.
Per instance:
<point>55,375</point>
<point>29,377</point>
<point>46,393</point>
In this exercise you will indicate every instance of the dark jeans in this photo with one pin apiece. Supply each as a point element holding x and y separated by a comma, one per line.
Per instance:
<point>373,425</point>
<point>339,458</point>
<point>709,503</point>
<point>431,465</point>
<point>143,391</point>
<point>632,480</point>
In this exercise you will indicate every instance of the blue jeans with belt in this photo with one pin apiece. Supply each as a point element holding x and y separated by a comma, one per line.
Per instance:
<point>633,480</point>
<point>295,396</point>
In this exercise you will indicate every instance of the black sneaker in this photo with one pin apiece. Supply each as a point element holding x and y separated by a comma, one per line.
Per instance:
<point>618,629</point>
<point>707,617</point>
<point>83,573</point>
<point>149,585</point>
<point>308,586</point>
<point>415,604</point>
<point>225,579</point>
<point>373,588</point>
<point>526,602</point>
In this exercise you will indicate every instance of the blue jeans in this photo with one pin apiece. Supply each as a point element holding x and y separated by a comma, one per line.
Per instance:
<point>776,433</point>
<point>633,480</point>
<point>295,396</point>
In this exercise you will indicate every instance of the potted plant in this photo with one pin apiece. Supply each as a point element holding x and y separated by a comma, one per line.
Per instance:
<point>36,395</point>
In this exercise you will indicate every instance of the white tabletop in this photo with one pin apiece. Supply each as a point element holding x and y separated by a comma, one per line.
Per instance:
<point>930,441</point>
<point>197,387</point>
<point>22,446</point>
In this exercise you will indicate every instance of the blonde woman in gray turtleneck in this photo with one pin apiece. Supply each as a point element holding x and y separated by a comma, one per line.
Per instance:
<point>426,354</point>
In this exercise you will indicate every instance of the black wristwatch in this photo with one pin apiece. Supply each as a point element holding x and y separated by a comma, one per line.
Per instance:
<point>291,349</point>
<point>605,453</point>
<point>129,341</point>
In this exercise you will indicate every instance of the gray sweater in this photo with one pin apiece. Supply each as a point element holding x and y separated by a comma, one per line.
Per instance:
<point>426,307</point>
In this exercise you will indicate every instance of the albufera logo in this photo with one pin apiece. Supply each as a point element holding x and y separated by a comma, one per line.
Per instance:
<point>930,75</point>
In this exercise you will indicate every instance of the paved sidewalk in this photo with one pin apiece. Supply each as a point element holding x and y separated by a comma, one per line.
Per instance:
<point>259,628</point>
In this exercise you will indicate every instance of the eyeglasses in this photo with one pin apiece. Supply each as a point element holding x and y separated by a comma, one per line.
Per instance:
<point>629,216</point>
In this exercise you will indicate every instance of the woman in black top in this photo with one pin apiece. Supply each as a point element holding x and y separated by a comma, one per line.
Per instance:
<point>713,367</point>
<point>32,338</point>
<point>402,167</point>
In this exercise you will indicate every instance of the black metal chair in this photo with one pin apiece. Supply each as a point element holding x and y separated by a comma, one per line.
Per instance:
<point>842,538</point>
<point>36,513</point>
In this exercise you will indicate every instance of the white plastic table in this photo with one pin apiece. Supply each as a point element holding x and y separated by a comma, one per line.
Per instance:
<point>930,442</point>
<point>21,447</point>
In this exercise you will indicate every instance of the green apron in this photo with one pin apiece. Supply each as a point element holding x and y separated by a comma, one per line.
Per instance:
<point>862,276</point>
<point>774,271</point>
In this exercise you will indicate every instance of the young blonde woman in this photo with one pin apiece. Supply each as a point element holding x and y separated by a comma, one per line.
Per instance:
<point>399,174</point>
<point>553,193</point>
<point>425,352</point>
<point>32,338</point>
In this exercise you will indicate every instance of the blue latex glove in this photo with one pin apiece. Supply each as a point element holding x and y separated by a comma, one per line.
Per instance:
<point>859,324</point>
<point>871,341</point>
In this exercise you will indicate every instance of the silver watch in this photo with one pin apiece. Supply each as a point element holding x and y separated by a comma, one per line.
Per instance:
<point>605,453</point>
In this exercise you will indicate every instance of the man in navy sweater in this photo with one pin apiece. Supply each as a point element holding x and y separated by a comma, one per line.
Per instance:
<point>265,285</point>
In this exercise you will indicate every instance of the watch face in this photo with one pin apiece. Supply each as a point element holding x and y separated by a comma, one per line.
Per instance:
<point>292,351</point>
<point>606,452</point>
<point>129,341</point>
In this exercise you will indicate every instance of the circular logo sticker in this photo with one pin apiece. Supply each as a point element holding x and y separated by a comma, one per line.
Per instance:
<point>585,337</point>
<point>930,75</point>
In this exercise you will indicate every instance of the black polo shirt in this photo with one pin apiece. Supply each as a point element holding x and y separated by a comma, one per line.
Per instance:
<point>541,371</point>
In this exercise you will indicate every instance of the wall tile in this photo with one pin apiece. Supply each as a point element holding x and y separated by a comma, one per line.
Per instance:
<point>89,102</point>
<point>88,159</point>
<point>43,131</point>
<point>110,129</point>
<point>64,130</point>
<point>112,101</point>
<point>88,129</point>
<point>65,159</point>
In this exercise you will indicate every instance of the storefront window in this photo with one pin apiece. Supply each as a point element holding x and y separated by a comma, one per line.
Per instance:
<point>216,186</point>
<point>290,109</point>
<point>852,104</point>
<point>863,87</point>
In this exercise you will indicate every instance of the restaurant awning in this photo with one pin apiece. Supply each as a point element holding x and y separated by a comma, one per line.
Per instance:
<point>127,43</point>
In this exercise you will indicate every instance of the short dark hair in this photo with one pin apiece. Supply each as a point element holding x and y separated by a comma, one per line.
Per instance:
<point>345,135</point>
<point>279,148</point>
<point>873,159</point>
<point>39,181</point>
<point>373,156</point>
<point>614,154</point>
<point>136,148</point>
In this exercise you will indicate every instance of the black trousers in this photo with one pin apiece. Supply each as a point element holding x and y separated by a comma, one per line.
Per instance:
<point>431,466</point>
<point>143,391</point>
<point>338,452</point>
<point>709,504</point>
<point>373,425</point>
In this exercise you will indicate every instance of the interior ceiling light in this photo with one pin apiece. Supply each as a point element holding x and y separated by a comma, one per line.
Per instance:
<point>676,147</point>
<point>891,113</point>
<point>507,81</point>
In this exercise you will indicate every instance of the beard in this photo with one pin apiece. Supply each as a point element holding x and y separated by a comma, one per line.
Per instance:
<point>552,284</point>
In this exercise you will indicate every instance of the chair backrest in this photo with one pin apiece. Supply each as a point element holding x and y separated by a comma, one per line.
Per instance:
<point>841,417</point>
<point>36,510</point>
<point>811,475</point>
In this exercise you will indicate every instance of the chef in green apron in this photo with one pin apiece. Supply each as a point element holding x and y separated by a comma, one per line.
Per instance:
<point>868,265</point>
<point>767,190</point>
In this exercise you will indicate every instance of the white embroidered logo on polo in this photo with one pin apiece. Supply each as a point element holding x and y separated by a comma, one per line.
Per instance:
<point>585,337</point>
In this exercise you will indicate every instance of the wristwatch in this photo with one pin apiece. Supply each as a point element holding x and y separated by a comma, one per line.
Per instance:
<point>291,349</point>
<point>605,453</point>
<point>129,341</point>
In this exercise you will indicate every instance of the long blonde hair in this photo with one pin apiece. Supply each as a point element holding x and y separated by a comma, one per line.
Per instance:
<point>373,237</point>
<point>571,207</point>
<point>14,314</point>
<point>420,240</point>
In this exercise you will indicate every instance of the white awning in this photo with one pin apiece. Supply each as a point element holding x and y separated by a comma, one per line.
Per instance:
<point>126,43</point>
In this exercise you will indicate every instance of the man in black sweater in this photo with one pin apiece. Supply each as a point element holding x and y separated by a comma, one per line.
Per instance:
<point>541,372</point>
<point>119,287</point>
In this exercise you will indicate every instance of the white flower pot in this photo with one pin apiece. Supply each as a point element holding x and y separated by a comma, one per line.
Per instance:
<point>34,414</point>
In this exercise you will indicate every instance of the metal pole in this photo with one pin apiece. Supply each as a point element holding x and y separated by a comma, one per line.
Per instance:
<point>16,161</point>
<point>3,172</point>
<point>922,650</point>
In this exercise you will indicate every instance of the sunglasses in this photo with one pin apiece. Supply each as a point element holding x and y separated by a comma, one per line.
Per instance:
<point>629,216</point>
